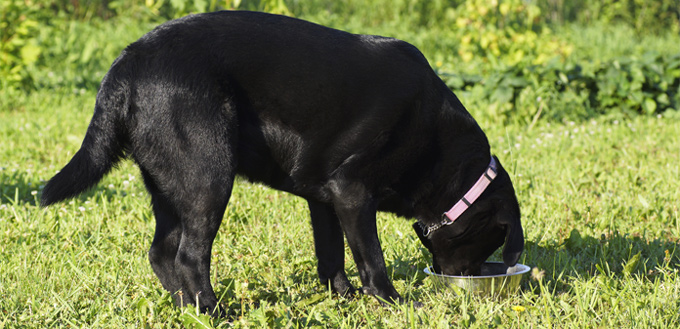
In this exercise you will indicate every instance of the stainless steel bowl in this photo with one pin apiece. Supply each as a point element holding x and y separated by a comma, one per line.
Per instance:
<point>496,279</point>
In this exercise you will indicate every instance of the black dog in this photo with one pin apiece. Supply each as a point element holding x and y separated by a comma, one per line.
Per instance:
<point>352,123</point>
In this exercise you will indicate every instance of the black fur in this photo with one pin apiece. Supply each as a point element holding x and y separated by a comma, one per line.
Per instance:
<point>352,123</point>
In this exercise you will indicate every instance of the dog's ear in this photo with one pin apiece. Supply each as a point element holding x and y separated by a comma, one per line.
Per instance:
<point>421,235</point>
<point>514,240</point>
<point>510,219</point>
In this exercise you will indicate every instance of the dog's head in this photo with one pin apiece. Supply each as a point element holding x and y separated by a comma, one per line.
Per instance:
<point>491,221</point>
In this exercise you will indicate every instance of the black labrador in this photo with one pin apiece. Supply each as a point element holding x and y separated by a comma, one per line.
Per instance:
<point>352,123</point>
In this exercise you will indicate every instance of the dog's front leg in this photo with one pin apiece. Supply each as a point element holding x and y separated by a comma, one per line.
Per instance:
<point>329,245</point>
<point>356,209</point>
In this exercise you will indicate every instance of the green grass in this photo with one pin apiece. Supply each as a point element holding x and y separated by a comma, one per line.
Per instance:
<point>593,196</point>
<point>599,200</point>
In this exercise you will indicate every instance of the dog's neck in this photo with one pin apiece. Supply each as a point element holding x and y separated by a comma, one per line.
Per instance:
<point>447,167</point>
<point>462,154</point>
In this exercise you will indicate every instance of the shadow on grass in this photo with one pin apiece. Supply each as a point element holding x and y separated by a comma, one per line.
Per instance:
<point>19,187</point>
<point>613,254</point>
<point>25,187</point>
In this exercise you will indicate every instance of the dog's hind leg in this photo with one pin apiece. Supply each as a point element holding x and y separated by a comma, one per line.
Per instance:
<point>166,239</point>
<point>200,224</point>
<point>330,248</point>
<point>189,165</point>
<point>189,206</point>
<point>188,213</point>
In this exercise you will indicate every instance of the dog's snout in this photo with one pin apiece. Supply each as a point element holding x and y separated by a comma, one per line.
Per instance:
<point>462,269</point>
<point>472,270</point>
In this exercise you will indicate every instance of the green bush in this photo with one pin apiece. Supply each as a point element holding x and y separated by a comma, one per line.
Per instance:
<point>649,84</point>
<point>508,32</point>
<point>645,16</point>
<point>19,48</point>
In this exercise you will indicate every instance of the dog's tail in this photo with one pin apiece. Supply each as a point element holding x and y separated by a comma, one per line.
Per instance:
<point>102,148</point>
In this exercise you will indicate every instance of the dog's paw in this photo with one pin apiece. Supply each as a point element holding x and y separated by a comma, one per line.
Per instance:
<point>341,286</point>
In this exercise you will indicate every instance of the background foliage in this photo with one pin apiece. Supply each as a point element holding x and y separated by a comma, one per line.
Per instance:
<point>511,57</point>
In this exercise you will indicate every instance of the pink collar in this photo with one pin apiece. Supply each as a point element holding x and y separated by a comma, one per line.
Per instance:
<point>471,196</point>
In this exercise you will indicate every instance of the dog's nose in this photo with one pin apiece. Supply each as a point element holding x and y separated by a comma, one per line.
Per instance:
<point>462,269</point>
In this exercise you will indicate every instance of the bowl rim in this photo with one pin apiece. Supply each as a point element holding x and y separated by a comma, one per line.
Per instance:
<point>524,269</point>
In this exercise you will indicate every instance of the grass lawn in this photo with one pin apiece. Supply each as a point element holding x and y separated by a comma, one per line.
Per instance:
<point>599,202</point>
